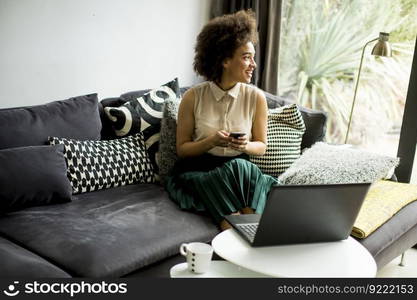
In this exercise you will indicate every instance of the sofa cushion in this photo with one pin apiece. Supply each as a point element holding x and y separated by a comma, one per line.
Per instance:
<point>333,164</point>
<point>34,175</point>
<point>95,165</point>
<point>109,232</point>
<point>314,120</point>
<point>76,118</point>
<point>144,114</point>
<point>17,262</point>
<point>285,132</point>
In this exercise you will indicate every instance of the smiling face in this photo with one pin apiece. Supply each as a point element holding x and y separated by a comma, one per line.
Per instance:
<point>240,67</point>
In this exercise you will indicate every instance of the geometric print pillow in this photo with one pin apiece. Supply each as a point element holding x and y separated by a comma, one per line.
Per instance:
<point>144,114</point>
<point>95,165</point>
<point>285,132</point>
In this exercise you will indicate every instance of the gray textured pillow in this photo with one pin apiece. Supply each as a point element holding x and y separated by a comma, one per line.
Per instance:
<point>332,164</point>
<point>167,142</point>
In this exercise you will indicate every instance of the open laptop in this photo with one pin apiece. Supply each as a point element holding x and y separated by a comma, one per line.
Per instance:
<point>303,214</point>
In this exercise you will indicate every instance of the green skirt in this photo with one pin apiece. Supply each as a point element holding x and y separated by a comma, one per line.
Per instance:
<point>218,185</point>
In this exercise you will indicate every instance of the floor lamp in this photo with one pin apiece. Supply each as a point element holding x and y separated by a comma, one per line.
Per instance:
<point>381,48</point>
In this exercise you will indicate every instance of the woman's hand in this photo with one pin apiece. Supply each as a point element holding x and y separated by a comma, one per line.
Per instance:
<point>239,143</point>
<point>220,139</point>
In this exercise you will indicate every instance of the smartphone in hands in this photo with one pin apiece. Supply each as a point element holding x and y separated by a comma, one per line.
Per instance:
<point>236,135</point>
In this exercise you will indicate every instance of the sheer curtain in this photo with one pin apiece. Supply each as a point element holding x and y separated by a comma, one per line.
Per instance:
<point>268,15</point>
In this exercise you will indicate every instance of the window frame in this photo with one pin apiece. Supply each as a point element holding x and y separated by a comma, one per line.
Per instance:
<point>408,134</point>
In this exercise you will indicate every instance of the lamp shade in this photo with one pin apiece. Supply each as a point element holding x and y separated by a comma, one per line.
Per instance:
<point>382,47</point>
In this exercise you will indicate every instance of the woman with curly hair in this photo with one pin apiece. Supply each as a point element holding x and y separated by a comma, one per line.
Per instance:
<point>214,173</point>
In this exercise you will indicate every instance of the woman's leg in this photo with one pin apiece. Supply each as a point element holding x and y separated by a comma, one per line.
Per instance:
<point>224,225</point>
<point>247,210</point>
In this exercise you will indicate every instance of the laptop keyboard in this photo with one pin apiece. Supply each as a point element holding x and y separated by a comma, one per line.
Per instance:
<point>249,230</point>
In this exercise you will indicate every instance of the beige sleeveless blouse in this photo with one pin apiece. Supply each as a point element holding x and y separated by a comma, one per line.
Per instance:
<point>216,109</point>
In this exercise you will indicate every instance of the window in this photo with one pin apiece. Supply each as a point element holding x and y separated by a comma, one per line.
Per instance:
<point>328,37</point>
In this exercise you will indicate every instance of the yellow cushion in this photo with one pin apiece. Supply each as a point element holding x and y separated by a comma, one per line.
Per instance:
<point>384,199</point>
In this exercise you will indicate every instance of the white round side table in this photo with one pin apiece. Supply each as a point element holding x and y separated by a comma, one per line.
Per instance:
<point>346,258</point>
<point>217,269</point>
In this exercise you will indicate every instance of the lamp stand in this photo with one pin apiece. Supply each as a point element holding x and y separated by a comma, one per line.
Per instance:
<point>356,89</point>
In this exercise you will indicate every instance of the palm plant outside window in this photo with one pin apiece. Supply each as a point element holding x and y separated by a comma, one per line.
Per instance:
<point>320,50</point>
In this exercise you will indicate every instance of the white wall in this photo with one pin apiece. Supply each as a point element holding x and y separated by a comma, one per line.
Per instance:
<point>56,49</point>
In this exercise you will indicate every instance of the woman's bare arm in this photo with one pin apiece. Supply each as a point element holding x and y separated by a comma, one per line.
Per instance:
<point>185,128</point>
<point>259,130</point>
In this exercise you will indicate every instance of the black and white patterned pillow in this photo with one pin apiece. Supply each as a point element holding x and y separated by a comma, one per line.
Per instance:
<point>144,114</point>
<point>95,165</point>
<point>285,132</point>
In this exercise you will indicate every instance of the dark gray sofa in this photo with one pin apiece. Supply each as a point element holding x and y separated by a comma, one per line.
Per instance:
<point>134,230</point>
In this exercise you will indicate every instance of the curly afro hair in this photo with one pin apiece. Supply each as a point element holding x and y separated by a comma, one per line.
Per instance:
<point>219,39</point>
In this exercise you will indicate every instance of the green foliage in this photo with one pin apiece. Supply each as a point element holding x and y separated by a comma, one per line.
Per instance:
<point>321,45</point>
<point>407,31</point>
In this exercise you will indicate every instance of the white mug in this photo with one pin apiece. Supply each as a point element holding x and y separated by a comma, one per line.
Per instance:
<point>198,256</point>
